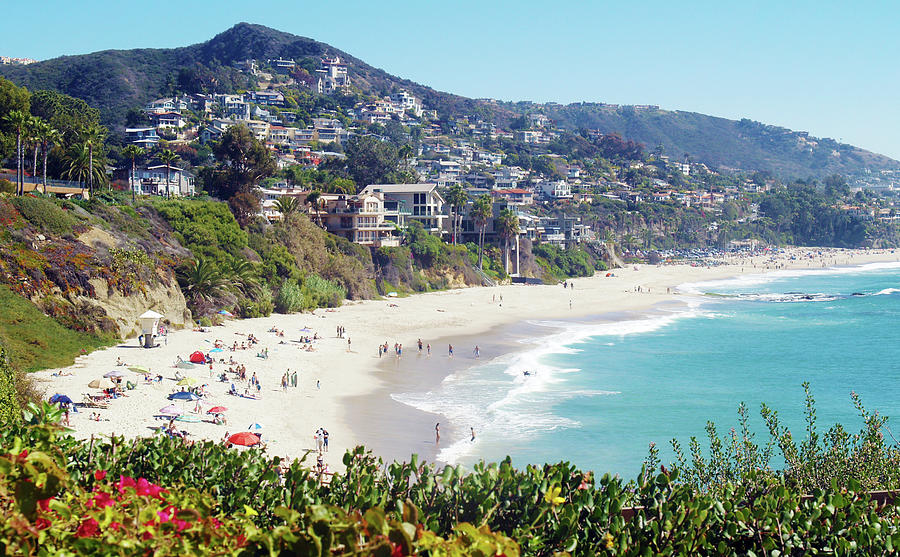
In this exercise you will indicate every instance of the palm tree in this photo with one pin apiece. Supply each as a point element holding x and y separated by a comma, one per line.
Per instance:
<point>78,164</point>
<point>314,200</point>
<point>508,226</point>
<point>92,137</point>
<point>168,157</point>
<point>457,198</point>
<point>50,137</point>
<point>18,119</point>
<point>201,279</point>
<point>286,205</point>
<point>482,213</point>
<point>35,129</point>
<point>132,152</point>
<point>242,277</point>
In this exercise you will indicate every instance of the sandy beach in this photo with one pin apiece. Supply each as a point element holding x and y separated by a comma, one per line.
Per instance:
<point>340,386</point>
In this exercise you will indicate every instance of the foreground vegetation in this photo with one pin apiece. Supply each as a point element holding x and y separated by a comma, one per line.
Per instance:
<point>125,497</point>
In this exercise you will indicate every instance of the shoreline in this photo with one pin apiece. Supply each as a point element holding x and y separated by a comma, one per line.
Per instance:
<point>353,382</point>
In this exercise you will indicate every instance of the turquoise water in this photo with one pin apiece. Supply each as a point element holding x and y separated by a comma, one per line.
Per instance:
<point>599,393</point>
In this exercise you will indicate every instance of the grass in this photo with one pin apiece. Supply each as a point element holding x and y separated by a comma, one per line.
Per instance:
<point>34,341</point>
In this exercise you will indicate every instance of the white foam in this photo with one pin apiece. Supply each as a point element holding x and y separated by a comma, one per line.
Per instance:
<point>887,291</point>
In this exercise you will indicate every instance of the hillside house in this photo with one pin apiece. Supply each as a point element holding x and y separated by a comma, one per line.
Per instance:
<point>151,180</point>
<point>333,76</point>
<point>368,218</point>
<point>555,189</point>
<point>142,137</point>
<point>514,196</point>
<point>270,98</point>
<point>170,120</point>
<point>405,101</point>
<point>424,203</point>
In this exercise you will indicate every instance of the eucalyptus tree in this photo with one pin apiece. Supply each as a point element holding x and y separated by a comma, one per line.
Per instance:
<point>168,157</point>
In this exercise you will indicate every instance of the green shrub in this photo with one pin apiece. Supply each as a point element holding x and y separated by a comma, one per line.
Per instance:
<point>45,214</point>
<point>320,292</point>
<point>10,412</point>
<point>6,186</point>
<point>290,298</point>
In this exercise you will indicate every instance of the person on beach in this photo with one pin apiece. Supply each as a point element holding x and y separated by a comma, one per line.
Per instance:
<point>428,348</point>
<point>477,352</point>
<point>380,350</point>
<point>420,346</point>
<point>399,350</point>
<point>348,344</point>
<point>449,350</point>
<point>325,439</point>
<point>437,433</point>
<point>472,429</point>
<point>318,384</point>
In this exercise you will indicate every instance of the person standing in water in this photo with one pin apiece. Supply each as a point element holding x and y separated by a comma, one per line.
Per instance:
<point>477,352</point>
<point>449,350</point>
<point>437,433</point>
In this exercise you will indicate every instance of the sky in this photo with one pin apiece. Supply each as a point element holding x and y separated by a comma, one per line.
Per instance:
<point>826,67</point>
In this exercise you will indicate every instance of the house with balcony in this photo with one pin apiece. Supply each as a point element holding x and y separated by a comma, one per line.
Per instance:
<point>156,180</point>
<point>555,189</point>
<point>333,76</point>
<point>142,137</point>
<point>407,102</point>
<point>366,219</point>
<point>270,98</point>
<point>167,120</point>
<point>422,201</point>
<point>514,196</point>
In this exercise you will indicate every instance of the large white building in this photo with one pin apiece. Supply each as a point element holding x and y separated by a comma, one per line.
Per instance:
<point>333,76</point>
<point>420,202</point>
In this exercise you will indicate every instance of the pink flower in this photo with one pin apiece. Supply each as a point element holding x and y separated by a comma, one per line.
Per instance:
<point>88,528</point>
<point>102,500</point>
<point>180,524</point>
<point>41,523</point>
<point>99,475</point>
<point>146,488</point>
<point>125,481</point>
<point>115,526</point>
<point>164,516</point>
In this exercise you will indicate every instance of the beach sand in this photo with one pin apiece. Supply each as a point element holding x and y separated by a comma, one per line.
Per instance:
<point>352,400</point>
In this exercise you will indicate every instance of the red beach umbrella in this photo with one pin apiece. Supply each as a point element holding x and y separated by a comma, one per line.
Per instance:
<point>217,410</point>
<point>244,438</point>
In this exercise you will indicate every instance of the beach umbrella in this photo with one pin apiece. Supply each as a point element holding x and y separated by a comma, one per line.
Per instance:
<point>217,410</point>
<point>198,357</point>
<point>187,381</point>
<point>244,438</point>
<point>171,410</point>
<point>256,427</point>
<point>183,395</point>
<point>115,373</point>
<point>101,383</point>
<point>138,369</point>
<point>61,399</point>
<point>226,313</point>
<point>216,350</point>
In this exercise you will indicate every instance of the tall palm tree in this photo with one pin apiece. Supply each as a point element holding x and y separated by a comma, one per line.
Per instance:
<point>508,226</point>
<point>35,129</point>
<point>168,157</point>
<point>482,213</point>
<point>18,119</point>
<point>50,138</point>
<point>314,200</point>
<point>92,137</point>
<point>133,152</point>
<point>457,197</point>
<point>242,277</point>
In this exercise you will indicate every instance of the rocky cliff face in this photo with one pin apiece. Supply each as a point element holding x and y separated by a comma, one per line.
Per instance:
<point>123,310</point>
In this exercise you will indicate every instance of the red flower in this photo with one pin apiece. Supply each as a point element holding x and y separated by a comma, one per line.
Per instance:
<point>24,453</point>
<point>88,528</point>
<point>125,481</point>
<point>115,526</point>
<point>42,523</point>
<point>215,523</point>
<point>102,500</point>
<point>180,524</point>
<point>163,515</point>
<point>99,475</point>
<point>397,550</point>
<point>148,489</point>
<point>44,504</point>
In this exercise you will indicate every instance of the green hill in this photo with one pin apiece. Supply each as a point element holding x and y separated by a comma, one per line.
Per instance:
<point>116,81</point>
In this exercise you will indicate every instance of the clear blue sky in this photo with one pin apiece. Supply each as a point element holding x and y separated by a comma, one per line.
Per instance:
<point>826,67</point>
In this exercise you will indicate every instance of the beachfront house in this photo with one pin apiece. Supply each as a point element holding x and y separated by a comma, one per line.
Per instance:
<point>420,202</point>
<point>367,219</point>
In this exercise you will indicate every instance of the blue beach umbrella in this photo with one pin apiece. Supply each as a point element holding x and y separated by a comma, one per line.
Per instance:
<point>183,395</point>
<point>256,427</point>
<point>61,399</point>
<point>216,350</point>
<point>226,313</point>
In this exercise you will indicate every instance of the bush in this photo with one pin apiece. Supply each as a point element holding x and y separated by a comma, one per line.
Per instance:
<point>319,292</point>
<point>45,214</point>
<point>6,186</point>
<point>290,298</point>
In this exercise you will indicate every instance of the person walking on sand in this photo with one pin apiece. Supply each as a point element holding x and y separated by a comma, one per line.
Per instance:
<point>428,348</point>
<point>348,344</point>
<point>437,433</point>
<point>318,384</point>
<point>449,350</point>
<point>472,429</point>
<point>477,352</point>
<point>325,439</point>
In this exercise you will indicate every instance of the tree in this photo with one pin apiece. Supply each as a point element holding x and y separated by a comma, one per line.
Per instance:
<point>370,161</point>
<point>18,119</point>
<point>35,128</point>
<point>92,137</point>
<point>314,199</point>
<point>245,206</point>
<point>168,158</point>
<point>242,162</point>
<point>286,205</point>
<point>482,213</point>
<point>79,166</point>
<point>508,226</point>
<point>50,137</point>
<point>12,98</point>
<point>457,197</point>
<point>201,279</point>
<point>132,152</point>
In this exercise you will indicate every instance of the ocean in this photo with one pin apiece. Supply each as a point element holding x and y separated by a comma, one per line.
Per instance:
<point>599,391</point>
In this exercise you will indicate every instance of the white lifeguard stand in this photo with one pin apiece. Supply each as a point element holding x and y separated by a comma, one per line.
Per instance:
<point>149,326</point>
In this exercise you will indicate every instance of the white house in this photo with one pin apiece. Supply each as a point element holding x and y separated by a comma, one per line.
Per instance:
<point>333,76</point>
<point>421,202</point>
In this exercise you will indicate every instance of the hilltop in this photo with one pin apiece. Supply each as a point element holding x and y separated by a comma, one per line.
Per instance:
<point>116,81</point>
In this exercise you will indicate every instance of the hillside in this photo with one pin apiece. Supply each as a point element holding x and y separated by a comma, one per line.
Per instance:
<point>116,81</point>
<point>719,142</point>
